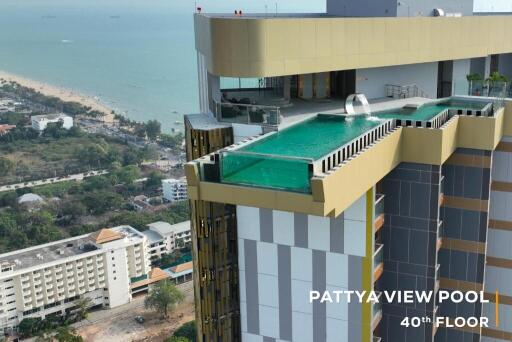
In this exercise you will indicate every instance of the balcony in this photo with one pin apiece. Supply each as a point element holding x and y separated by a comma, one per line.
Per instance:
<point>438,278</point>
<point>379,212</point>
<point>441,191</point>
<point>377,311</point>
<point>440,233</point>
<point>378,261</point>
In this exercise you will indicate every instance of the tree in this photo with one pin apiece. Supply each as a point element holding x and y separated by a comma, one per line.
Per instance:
<point>6,166</point>
<point>150,152</point>
<point>73,209</point>
<point>187,330</point>
<point>177,339</point>
<point>163,298</point>
<point>132,157</point>
<point>29,326</point>
<point>154,179</point>
<point>67,334</point>
<point>153,129</point>
<point>126,175</point>
<point>102,201</point>
<point>172,141</point>
<point>82,307</point>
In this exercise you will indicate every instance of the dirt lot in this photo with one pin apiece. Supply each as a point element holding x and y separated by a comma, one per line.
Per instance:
<point>119,324</point>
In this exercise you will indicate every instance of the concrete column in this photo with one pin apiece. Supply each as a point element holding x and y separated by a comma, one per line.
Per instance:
<point>286,87</point>
<point>487,69</point>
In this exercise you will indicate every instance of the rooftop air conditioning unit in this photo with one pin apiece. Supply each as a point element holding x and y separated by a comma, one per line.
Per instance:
<point>39,256</point>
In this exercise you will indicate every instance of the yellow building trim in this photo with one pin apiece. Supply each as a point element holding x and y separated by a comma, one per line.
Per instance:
<point>367,269</point>
<point>261,47</point>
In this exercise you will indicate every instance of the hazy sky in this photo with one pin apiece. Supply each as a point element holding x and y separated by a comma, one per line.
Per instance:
<point>227,5</point>
<point>186,5</point>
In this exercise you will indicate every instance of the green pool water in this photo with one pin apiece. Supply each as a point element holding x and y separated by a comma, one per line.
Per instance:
<point>428,111</point>
<point>280,167</point>
<point>313,138</point>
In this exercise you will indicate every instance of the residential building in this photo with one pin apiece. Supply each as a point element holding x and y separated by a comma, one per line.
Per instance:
<point>411,191</point>
<point>40,122</point>
<point>164,238</point>
<point>175,189</point>
<point>107,267</point>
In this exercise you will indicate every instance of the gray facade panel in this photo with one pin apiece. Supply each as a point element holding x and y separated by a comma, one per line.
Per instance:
<point>266,225</point>
<point>301,230</point>
<point>337,234</point>
<point>285,291</point>
<point>319,284</point>
<point>251,281</point>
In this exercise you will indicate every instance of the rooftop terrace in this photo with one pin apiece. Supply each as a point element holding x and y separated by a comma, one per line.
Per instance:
<point>58,250</point>
<point>287,159</point>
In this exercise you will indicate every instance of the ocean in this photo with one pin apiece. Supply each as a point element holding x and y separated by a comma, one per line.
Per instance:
<point>135,56</point>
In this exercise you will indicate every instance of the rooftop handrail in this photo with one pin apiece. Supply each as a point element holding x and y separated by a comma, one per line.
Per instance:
<point>405,91</point>
<point>354,146</point>
<point>251,111</point>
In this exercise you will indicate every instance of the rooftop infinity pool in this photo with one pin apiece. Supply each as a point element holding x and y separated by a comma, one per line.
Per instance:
<point>284,160</point>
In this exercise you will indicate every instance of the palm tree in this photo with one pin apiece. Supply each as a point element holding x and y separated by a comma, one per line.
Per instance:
<point>83,305</point>
<point>496,80</point>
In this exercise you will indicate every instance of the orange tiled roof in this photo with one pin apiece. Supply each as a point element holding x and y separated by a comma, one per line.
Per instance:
<point>182,267</point>
<point>106,235</point>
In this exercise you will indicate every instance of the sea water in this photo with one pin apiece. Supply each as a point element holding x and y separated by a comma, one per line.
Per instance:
<point>136,56</point>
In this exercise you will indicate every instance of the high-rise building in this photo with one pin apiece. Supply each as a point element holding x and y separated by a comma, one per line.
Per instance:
<point>294,189</point>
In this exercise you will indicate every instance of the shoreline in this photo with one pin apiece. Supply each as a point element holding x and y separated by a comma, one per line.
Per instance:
<point>51,90</point>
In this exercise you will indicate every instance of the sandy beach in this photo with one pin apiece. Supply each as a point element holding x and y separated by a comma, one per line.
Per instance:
<point>50,90</point>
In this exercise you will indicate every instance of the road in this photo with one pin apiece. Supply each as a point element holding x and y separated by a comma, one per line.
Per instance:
<point>75,177</point>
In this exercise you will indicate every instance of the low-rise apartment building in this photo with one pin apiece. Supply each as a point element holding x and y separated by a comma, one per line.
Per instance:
<point>106,266</point>
<point>40,122</point>
<point>175,189</point>
<point>164,238</point>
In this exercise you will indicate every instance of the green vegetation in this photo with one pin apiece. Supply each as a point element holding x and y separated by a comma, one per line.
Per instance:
<point>20,229</point>
<point>171,141</point>
<point>187,332</point>
<point>53,328</point>
<point>60,152</point>
<point>68,107</point>
<point>6,166</point>
<point>178,212</point>
<point>164,297</point>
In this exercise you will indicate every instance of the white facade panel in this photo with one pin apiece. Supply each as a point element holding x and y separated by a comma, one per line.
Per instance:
<point>302,324</point>
<point>248,219</point>
<point>302,263</point>
<point>300,295</point>
<point>283,223</point>
<point>267,257</point>
<point>337,266</point>
<point>319,232</point>
<point>268,289</point>
<point>269,321</point>
<point>355,238</point>
<point>337,330</point>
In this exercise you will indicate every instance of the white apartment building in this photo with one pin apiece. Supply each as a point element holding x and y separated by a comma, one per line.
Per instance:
<point>106,266</point>
<point>164,238</point>
<point>175,189</point>
<point>40,122</point>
